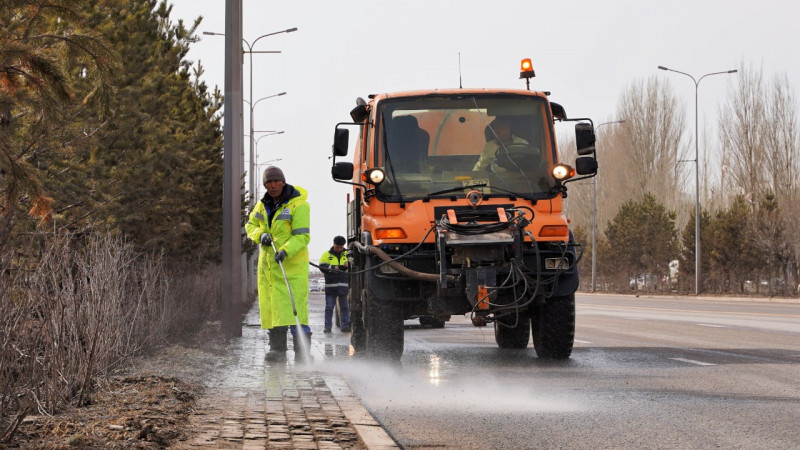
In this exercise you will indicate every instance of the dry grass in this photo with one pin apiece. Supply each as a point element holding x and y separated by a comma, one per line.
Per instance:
<point>72,310</point>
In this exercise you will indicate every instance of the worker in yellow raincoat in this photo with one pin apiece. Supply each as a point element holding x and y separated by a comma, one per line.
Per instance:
<point>282,218</point>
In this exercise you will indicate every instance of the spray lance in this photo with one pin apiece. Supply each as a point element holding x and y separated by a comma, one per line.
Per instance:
<point>280,263</point>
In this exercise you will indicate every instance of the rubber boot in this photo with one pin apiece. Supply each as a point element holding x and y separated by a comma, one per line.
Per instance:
<point>277,344</point>
<point>302,350</point>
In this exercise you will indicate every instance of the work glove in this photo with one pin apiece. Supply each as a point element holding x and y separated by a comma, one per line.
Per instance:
<point>280,256</point>
<point>265,239</point>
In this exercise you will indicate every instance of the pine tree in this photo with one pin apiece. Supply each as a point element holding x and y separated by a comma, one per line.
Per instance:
<point>44,48</point>
<point>641,239</point>
<point>156,166</point>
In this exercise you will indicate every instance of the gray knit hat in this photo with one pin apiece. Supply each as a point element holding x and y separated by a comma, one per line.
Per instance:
<point>272,173</point>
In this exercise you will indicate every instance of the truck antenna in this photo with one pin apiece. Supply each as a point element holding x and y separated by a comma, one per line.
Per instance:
<point>459,71</point>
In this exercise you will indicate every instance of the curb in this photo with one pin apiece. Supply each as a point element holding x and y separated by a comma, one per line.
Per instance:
<point>369,430</point>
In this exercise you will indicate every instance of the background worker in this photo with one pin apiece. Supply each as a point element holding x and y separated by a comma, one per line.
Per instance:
<point>334,265</point>
<point>282,218</point>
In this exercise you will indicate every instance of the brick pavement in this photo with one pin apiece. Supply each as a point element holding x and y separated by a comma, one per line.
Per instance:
<point>251,404</point>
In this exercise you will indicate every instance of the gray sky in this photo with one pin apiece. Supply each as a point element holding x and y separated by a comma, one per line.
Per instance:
<point>584,52</point>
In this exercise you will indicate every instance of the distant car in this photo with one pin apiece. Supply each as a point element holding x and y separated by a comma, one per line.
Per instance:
<point>316,285</point>
<point>644,281</point>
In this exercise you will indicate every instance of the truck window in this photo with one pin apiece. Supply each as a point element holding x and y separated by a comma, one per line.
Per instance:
<point>433,143</point>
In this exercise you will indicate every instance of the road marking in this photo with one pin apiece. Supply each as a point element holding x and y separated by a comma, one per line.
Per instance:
<point>582,342</point>
<point>710,325</point>
<point>692,361</point>
<point>650,308</point>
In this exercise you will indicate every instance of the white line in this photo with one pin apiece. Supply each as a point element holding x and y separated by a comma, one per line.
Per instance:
<point>582,342</point>
<point>710,325</point>
<point>691,361</point>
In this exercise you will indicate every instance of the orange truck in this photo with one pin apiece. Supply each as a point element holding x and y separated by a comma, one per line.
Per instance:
<point>457,209</point>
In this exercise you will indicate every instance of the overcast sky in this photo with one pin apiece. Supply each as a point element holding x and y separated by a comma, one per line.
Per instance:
<point>584,52</point>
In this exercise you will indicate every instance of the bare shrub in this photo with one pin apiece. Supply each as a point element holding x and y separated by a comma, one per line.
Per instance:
<point>75,307</point>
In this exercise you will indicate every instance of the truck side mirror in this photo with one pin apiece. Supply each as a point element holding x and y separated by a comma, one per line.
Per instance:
<point>585,165</point>
<point>341,140</point>
<point>342,171</point>
<point>584,138</point>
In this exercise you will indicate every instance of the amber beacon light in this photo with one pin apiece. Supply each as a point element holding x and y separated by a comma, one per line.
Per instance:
<point>526,69</point>
<point>526,72</point>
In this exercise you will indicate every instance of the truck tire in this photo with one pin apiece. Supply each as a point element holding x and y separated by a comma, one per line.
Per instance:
<point>337,313</point>
<point>553,327</point>
<point>383,324</point>
<point>358,336</point>
<point>516,337</point>
<point>431,321</point>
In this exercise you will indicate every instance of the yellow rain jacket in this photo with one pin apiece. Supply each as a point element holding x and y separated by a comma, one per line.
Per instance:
<point>290,226</point>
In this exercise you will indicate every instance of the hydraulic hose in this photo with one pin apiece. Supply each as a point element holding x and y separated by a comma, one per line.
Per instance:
<point>371,249</point>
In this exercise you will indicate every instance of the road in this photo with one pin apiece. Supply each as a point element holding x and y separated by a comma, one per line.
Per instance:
<point>645,373</point>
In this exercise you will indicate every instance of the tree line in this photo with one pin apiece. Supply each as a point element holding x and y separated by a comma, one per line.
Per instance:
<point>749,192</point>
<point>104,126</point>
<point>110,195</point>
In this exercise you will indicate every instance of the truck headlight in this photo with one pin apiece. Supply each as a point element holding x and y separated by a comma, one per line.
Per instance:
<point>563,172</point>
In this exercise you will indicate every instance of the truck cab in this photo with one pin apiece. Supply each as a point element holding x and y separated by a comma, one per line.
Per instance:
<point>457,209</point>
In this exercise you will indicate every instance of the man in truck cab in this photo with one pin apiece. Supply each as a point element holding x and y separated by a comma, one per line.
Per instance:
<point>333,264</point>
<point>499,135</point>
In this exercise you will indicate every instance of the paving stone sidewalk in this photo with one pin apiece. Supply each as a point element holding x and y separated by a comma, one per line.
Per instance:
<point>251,404</point>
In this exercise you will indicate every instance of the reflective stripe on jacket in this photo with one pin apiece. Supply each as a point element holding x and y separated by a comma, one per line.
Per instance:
<point>336,280</point>
<point>290,230</point>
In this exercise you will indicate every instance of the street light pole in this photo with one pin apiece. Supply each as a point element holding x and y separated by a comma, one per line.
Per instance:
<point>252,167</point>
<point>265,163</point>
<point>594,214</point>
<point>697,270</point>
<point>249,263</point>
<point>252,106</point>
<point>268,133</point>
<point>250,51</point>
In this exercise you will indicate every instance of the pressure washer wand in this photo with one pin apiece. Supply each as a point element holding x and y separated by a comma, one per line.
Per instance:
<point>274,250</point>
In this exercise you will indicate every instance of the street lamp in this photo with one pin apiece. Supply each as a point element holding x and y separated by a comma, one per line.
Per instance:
<point>265,163</point>
<point>252,168</point>
<point>697,272</point>
<point>251,263</point>
<point>594,214</point>
<point>252,106</point>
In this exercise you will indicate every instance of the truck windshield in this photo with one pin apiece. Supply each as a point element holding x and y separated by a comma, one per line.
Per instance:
<point>432,145</point>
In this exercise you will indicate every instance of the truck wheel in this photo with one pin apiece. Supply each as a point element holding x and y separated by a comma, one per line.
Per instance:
<point>383,323</point>
<point>553,327</point>
<point>431,321</point>
<point>513,337</point>
<point>358,336</point>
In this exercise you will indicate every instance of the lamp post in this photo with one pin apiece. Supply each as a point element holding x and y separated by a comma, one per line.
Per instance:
<point>265,163</point>
<point>252,106</point>
<point>594,214</point>
<point>267,133</point>
<point>250,283</point>
<point>252,168</point>
<point>697,271</point>
<point>250,51</point>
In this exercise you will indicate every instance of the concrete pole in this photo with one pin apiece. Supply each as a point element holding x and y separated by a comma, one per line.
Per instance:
<point>233,164</point>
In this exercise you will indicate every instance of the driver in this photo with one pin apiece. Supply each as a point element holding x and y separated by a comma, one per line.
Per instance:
<point>500,130</point>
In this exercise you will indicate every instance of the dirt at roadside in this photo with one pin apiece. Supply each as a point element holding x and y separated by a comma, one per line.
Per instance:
<point>145,406</point>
